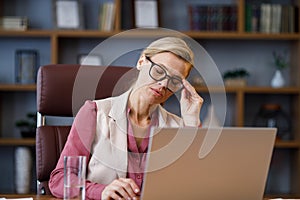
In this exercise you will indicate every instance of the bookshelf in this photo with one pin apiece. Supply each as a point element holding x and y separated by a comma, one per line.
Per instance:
<point>56,42</point>
<point>17,142</point>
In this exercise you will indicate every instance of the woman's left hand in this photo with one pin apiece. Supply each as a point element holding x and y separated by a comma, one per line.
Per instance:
<point>190,105</point>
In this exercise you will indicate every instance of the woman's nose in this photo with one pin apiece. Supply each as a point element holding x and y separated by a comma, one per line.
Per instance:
<point>164,82</point>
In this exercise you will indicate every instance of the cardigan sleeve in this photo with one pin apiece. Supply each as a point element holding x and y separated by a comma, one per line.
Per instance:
<point>79,142</point>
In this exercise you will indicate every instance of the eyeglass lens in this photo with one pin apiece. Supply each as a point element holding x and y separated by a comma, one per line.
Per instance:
<point>158,73</point>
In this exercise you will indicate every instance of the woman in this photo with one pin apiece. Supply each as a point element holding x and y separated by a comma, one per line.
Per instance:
<point>113,133</point>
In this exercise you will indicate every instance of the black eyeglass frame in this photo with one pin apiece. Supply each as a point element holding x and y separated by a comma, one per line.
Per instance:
<point>164,77</point>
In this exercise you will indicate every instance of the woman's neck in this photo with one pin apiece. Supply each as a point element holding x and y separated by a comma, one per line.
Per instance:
<point>140,110</point>
<point>139,115</point>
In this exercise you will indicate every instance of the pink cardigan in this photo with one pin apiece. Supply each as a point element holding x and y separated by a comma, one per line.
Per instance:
<point>75,145</point>
<point>97,120</point>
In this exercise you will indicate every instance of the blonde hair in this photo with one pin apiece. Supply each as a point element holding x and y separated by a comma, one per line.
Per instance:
<point>174,45</point>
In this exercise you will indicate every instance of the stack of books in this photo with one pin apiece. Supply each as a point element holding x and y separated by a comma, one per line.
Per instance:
<point>13,23</point>
<point>213,17</point>
<point>107,14</point>
<point>271,18</point>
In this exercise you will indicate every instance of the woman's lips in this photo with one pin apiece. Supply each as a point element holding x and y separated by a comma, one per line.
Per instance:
<point>156,92</point>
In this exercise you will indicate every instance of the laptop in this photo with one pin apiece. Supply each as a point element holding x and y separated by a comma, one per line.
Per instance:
<point>209,164</point>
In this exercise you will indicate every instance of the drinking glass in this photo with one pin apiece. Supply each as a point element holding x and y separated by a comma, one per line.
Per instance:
<point>74,177</point>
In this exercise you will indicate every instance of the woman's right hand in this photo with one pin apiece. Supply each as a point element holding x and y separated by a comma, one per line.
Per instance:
<point>122,188</point>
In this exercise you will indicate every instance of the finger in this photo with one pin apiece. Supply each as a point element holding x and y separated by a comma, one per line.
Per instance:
<point>119,193</point>
<point>117,190</point>
<point>184,93</point>
<point>133,189</point>
<point>122,191</point>
<point>188,86</point>
<point>187,95</point>
<point>110,193</point>
<point>131,182</point>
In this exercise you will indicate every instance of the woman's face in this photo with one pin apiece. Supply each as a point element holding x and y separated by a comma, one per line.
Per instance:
<point>159,90</point>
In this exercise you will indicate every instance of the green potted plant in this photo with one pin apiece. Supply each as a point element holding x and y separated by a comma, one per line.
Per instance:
<point>280,60</point>
<point>236,77</point>
<point>27,126</point>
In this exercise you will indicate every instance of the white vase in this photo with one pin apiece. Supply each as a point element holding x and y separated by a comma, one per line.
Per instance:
<point>277,80</point>
<point>23,164</point>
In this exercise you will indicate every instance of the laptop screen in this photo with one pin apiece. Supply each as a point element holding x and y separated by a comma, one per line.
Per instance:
<point>218,163</point>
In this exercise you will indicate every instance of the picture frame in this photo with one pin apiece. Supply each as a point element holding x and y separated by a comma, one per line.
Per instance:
<point>89,59</point>
<point>146,13</point>
<point>68,14</point>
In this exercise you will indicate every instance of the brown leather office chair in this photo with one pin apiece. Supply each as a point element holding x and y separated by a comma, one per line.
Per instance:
<point>61,91</point>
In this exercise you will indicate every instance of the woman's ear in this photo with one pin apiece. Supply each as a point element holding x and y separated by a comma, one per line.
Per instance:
<point>141,62</point>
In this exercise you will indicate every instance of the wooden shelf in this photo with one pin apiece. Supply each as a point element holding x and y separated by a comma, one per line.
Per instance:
<point>58,33</point>
<point>264,90</point>
<point>287,144</point>
<point>27,33</point>
<point>242,35</point>
<point>17,142</point>
<point>85,34</point>
<point>146,33</point>
<point>17,87</point>
<point>250,89</point>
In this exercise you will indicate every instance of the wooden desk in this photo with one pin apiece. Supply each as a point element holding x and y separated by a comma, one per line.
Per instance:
<point>49,197</point>
<point>34,196</point>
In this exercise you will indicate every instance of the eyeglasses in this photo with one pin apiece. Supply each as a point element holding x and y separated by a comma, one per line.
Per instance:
<point>158,73</point>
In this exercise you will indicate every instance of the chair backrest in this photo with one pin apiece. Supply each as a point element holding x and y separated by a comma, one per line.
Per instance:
<point>61,91</point>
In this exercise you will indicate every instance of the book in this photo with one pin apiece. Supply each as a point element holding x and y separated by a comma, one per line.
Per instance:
<point>265,18</point>
<point>212,17</point>
<point>107,12</point>
<point>13,23</point>
<point>275,18</point>
<point>255,18</point>
<point>271,18</point>
<point>232,18</point>
<point>248,18</point>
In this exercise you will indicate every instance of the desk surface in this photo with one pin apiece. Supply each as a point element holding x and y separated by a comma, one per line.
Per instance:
<point>35,197</point>
<point>49,197</point>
